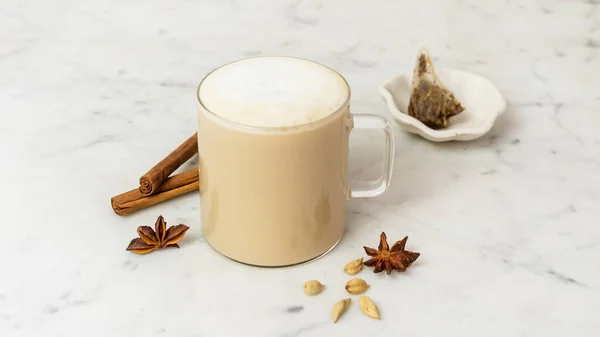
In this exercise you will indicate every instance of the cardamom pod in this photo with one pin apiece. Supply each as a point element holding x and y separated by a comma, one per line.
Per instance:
<point>354,267</point>
<point>313,287</point>
<point>357,286</point>
<point>368,307</point>
<point>339,308</point>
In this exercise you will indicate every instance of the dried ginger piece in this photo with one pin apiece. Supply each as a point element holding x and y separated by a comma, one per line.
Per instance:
<point>430,101</point>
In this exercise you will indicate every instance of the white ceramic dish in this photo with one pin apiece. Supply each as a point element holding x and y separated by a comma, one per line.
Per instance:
<point>482,101</point>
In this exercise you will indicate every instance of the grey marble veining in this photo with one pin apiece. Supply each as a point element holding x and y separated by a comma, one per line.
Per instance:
<point>93,93</point>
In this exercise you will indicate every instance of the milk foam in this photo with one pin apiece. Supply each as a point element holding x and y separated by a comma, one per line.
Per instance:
<point>273,92</point>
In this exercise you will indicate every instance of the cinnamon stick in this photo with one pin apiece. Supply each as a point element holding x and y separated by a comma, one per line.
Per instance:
<point>133,201</point>
<point>150,181</point>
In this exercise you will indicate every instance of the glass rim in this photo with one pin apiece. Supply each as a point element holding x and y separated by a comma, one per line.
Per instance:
<point>238,125</point>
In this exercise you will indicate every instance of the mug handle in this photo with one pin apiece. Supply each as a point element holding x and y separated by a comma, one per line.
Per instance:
<point>373,188</point>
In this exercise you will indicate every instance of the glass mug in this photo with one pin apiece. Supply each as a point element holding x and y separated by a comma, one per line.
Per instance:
<point>273,143</point>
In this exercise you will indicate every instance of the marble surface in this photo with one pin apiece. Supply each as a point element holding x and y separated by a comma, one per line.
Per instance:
<point>93,93</point>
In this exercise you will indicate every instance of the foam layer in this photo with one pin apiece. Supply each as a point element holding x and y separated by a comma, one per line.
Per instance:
<point>273,92</point>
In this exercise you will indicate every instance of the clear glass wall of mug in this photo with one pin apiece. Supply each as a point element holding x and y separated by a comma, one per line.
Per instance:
<point>273,136</point>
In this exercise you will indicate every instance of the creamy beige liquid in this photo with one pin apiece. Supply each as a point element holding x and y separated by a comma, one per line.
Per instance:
<point>276,195</point>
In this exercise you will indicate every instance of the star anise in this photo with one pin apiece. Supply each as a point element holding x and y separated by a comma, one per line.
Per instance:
<point>388,259</point>
<point>160,237</point>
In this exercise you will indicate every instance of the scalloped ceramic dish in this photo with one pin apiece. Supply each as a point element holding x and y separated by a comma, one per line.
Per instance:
<point>482,101</point>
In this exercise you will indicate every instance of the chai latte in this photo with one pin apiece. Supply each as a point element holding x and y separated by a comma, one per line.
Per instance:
<point>273,146</point>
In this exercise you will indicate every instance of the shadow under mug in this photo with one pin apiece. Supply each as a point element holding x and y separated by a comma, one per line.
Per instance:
<point>275,197</point>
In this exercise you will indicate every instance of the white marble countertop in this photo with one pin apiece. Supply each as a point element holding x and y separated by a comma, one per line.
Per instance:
<point>93,93</point>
